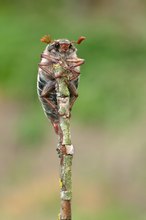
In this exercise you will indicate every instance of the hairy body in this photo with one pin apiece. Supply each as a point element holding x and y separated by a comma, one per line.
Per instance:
<point>63,53</point>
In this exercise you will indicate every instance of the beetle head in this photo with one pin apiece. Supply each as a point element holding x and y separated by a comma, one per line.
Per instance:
<point>61,45</point>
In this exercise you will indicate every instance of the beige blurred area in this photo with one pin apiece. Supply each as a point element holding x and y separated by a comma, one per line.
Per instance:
<point>108,170</point>
<point>108,123</point>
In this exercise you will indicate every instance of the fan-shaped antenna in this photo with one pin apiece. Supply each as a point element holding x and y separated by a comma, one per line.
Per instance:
<point>46,39</point>
<point>80,39</point>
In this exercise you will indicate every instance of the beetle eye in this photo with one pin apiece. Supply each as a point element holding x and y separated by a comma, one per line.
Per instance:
<point>57,45</point>
<point>70,46</point>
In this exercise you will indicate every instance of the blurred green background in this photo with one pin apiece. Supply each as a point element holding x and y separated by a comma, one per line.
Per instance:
<point>108,119</point>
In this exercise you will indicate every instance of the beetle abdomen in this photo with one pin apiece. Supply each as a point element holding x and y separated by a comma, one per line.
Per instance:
<point>49,112</point>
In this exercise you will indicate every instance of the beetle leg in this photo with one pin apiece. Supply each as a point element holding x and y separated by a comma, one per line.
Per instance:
<point>74,72</point>
<point>55,126</point>
<point>51,104</point>
<point>49,58</point>
<point>71,68</point>
<point>78,63</point>
<point>46,70</point>
<point>73,99</point>
<point>48,88</point>
<point>46,91</point>
<point>73,92</point>
<point>75,75</point>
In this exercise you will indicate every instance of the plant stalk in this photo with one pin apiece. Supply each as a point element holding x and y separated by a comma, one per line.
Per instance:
<point>65,148</point>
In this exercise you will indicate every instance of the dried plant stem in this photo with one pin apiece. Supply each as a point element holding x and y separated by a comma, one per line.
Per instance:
<point>65,148</point>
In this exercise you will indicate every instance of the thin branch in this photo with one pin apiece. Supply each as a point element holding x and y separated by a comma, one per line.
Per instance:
<point>66,148</point>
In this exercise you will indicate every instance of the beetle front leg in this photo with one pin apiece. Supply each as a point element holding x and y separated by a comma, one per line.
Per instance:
<point>49,58</point>
<point>76,62</point>
<point>71,68</point>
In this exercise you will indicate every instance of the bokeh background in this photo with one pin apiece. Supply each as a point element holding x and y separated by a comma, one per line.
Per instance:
<point>108,119</point>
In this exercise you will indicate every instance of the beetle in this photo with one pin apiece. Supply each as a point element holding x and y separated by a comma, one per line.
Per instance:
<point>62,52</point>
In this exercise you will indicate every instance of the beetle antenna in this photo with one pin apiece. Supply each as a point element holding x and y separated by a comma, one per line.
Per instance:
<point>46,39</point>
<point>80,39</point>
